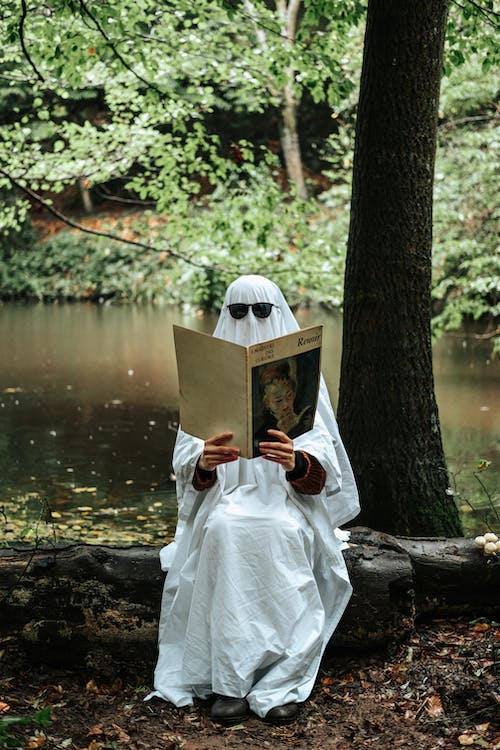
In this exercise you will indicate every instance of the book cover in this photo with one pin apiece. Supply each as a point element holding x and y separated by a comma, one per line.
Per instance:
<point>248,389</point>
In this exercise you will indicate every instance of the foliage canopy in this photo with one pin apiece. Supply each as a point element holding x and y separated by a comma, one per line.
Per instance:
<point>150,103</point>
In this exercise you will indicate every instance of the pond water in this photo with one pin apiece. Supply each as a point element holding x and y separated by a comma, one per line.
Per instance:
<point>88,410</point>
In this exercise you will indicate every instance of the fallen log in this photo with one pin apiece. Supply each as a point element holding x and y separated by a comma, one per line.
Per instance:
<point>93,605</point>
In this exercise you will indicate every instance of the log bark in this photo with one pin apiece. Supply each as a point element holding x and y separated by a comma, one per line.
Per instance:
<point>93,605</point>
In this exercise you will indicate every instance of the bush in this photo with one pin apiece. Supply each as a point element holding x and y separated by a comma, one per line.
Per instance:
<point>252,227</point>
<point>466,261</point>
<point>75,266</point>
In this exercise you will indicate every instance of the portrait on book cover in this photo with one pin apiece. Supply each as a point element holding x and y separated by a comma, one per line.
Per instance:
<point>284,396</point>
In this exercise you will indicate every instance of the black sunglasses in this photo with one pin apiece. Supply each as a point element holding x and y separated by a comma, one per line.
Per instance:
<point>259,309</point>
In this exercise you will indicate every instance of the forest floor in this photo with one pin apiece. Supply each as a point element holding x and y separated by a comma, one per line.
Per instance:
<point>437,689</point>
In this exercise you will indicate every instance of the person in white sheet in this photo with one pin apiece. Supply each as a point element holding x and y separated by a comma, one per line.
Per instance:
<point>256,580</point>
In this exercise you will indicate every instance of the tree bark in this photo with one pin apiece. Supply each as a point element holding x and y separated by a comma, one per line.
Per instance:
<point>86,197</point>
<point>93,605</point>
<point>289,129</point>
<point>387,409</point>
<point>289,126</point>
<point>291,145</point>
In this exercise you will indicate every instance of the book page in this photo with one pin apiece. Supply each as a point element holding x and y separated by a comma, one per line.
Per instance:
<point>285,375</point>
<point>212,386</point>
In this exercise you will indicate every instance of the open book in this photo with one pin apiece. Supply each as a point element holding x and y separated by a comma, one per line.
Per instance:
<point>248,389</point>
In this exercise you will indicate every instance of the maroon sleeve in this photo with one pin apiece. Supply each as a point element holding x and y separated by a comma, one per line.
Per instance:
<point>309,476</point>
<point>203,480</point>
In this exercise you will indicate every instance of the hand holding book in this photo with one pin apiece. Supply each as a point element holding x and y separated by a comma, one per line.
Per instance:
<point>216,452</point>
<point>280,450</point>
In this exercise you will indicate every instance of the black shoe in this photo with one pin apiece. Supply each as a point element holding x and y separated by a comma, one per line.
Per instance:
<point>282,714</point>
<point>229,711</point>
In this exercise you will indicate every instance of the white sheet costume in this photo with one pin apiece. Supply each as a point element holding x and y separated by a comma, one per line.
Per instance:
<point>256,579</point>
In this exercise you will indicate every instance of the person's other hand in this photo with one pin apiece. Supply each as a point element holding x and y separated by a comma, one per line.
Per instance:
<point>280,451</point>
<point>215,452</point>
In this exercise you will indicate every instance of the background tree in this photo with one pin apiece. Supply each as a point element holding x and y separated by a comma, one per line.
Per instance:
<point>387,408</point>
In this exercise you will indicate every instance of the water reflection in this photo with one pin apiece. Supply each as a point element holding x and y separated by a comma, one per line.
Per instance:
<point>88,402</point>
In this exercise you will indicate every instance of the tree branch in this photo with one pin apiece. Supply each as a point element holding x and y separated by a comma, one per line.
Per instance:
<point>464,120</point>
<point>117,199</point>
<point>17,79</point>
<point>262,39</point>
<point>486,13</point>
<point>487,336</point>
<point>254,19</point>
<point>282,34</point>
<point>110,236</point>
<point>22,21</point>
<point>115,51</point>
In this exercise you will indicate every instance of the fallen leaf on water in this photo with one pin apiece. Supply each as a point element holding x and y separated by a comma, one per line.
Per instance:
<point>483,464</point>
<point>84,489</point>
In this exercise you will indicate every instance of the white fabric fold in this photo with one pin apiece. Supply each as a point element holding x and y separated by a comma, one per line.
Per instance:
<point>256,579</point>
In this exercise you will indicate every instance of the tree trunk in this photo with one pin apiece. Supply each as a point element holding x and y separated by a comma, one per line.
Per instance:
<point>290,144</point>
<point>86,197</point>
<point>387,408</point>
<point>288,13</point>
